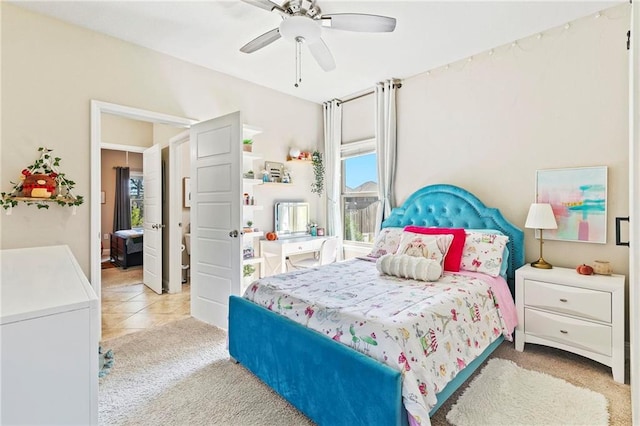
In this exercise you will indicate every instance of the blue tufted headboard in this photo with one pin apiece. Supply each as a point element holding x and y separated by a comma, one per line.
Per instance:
<point>452,207</point>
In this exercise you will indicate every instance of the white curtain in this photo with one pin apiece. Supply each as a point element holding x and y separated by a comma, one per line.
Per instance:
<point>386,140</point>
<point>332,141</point>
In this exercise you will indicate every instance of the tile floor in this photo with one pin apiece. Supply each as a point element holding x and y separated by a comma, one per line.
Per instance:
<point>130,308</point>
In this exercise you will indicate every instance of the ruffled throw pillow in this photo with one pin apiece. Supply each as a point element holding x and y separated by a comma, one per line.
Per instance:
<point>413,267</point>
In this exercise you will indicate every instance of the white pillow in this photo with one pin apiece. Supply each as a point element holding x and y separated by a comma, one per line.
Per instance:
<point>405,266</point>
<point>483,253</point>
<point>386,242</point>
<point>434,247</point>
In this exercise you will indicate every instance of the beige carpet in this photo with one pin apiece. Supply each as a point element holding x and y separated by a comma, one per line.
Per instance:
<point>180,374</point>
<point>115,277</point>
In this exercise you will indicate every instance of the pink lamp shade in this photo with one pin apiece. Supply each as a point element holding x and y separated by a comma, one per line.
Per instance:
<point>541,217</point>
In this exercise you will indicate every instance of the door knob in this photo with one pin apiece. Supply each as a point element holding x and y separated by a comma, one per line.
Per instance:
<point>234,233</point>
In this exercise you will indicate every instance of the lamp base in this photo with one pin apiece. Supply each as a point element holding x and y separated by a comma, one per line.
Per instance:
<point>542,264</point>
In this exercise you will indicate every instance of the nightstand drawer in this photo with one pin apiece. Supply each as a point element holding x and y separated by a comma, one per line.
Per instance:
<point>582,302</point>
<point>569,331</point>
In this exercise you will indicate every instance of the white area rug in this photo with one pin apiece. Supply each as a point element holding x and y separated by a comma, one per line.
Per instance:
<point>505,394</point>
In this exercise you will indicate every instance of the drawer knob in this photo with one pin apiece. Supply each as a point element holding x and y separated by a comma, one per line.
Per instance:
<point>564,332</point>
<point>563,300</point>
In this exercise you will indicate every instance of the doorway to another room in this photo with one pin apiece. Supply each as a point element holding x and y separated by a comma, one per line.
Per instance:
<point>127,304</point>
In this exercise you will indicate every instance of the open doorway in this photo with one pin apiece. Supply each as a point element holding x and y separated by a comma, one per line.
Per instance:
<point>126,304</point>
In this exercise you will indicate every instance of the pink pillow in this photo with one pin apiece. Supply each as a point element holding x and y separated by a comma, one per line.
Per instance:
<point>454,255</point>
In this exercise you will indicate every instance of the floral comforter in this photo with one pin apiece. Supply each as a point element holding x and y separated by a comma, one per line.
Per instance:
<point>427,330</point>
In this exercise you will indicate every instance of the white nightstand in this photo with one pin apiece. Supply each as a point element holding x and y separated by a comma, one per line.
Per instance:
<point>583,314</point>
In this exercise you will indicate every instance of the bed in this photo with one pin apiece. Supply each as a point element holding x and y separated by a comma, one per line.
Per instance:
<point>126,247</point>
<point>331,382</point>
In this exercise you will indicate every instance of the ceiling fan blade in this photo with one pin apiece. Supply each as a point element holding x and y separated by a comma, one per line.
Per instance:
<point>261,41</point>
<point>359,22</point>
<point>323,56</point>
<point>265,4</point>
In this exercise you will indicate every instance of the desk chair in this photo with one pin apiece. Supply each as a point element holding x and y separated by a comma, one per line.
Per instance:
<point>328,254</point>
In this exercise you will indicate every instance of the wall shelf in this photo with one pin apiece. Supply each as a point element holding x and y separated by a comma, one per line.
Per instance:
<point>253,234</point>
<point>41,203</point>
<point>248,132</point>
<point>277,183</point>
<point>46,200</point>
<point>252,181</point>
<point>251,156</point>
<point>42,178</point>
<point>252,261</point>
<point>297,160</point>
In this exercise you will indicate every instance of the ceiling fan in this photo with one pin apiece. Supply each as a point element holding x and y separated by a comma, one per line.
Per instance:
<point>302,23</point>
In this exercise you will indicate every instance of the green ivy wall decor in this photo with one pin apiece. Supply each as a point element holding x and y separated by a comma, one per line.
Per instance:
<point>40,184</point>
<point>248,270</point>
<point>318,171</point>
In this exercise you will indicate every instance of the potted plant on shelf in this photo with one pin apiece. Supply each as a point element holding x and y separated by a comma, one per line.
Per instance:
<point>40,183</point>
<point>318,171</point>
<point>247,145</point>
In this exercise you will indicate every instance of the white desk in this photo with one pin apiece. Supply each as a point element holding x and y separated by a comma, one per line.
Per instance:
<point>275,252</point>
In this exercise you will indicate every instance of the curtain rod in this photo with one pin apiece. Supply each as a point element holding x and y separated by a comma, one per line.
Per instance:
<point>362,95</point>
<point>397,85</point>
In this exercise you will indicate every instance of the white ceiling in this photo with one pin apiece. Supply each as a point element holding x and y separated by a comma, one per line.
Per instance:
<point>428,34</point>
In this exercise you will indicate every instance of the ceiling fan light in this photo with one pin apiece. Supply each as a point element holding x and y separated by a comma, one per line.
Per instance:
<point>300,26</point>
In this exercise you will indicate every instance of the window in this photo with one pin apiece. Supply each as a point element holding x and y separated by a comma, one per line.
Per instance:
<point>359,191</point>
<point>136,196</point>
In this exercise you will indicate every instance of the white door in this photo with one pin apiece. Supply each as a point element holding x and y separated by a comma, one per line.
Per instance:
<point>634,211</point>
<point>152,251</point>
<point>216,216</point>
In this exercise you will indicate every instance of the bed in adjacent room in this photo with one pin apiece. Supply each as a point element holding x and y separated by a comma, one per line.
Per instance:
<point>126,247</point>
<point>387,338</point>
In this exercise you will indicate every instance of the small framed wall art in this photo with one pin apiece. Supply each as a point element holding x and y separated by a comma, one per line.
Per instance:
<point>186,192</point>
<point>578,198</point>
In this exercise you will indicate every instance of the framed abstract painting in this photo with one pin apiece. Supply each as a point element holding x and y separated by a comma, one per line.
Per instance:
<point>578,197</point>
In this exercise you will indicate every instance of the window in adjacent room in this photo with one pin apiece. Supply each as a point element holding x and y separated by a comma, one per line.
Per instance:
<point>359,191</point>
<point>136,196</point>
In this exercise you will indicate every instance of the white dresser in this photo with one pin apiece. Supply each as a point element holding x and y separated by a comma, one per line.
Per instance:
<point>583,314</point>
<point>48,339</point>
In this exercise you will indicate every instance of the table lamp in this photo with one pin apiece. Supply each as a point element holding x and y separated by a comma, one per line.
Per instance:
<point>541,217</point>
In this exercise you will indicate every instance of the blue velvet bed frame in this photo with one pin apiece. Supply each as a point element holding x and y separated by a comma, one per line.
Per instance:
<point>354,389</point>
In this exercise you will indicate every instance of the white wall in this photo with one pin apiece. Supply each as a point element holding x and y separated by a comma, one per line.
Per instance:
<point>124,131</point>
<point>52,70</point>
<point>489,124</point>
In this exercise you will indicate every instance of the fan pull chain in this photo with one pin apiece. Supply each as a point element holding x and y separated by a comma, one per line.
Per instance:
<point>298,61</point>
